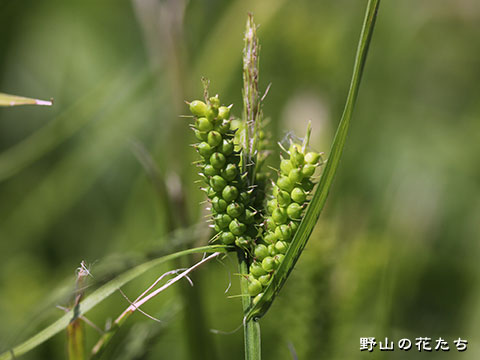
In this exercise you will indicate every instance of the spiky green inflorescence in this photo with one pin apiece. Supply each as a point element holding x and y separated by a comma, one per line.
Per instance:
<point>226,185</point>
<point>285,210</point>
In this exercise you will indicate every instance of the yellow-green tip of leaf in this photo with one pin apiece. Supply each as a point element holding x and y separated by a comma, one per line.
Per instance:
<point>13,100</point>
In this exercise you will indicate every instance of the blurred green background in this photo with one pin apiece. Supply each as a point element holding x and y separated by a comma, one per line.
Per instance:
<point>395,253</point>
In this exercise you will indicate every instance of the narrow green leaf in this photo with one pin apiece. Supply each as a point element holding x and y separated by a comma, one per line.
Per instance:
<point>98,296</point>
<point>13,100</point>
<point>320,196</point>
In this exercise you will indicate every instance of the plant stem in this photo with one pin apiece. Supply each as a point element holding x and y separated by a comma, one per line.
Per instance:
<point>251,328</point>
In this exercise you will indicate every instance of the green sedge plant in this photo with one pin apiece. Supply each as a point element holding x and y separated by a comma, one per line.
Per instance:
<point>266,224</point>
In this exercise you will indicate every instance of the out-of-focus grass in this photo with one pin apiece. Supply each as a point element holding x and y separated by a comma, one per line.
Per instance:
<point>395,253</point>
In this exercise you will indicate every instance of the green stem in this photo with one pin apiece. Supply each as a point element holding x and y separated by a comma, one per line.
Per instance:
<point>251,328</point>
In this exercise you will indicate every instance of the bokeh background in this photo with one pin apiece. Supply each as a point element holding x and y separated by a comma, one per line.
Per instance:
<point>395,253</point>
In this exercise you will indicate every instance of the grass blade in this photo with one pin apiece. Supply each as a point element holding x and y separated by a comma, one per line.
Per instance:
<point>13,100</point>
<point>98,296</point>
<point>320,196</point>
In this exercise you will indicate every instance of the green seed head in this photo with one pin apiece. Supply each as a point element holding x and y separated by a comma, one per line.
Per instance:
<point>218,160</point>
<point>218,183</point>
<point>271,250</point>
<point>271,205</point>
<point>283,198</point>
<point>256,269</point>
<point>296,157</point>
<point>281,247</point>
<point>219,204</point>
<point>268,264</point>
<point>280,216</point>
<point>227,147</point>
<point>227,238</point>
<point>211,112</point>
<point>261,252</point>
<point>298,195</point>
<point>204,149</point>
<point>229,193</point>
<point>254,287</point>
<point>285,166</point>
<point>203,124</point>
<point>270,237</point>
<point>283,232</point>
<point>223,221</point>
<point>294,211</point>
<point>214,138</point>
<point>235,210</point>
<point>285,183</point>
<point>308,170</point>
<point>312,158</point>
<point>236,227</point>
<point>198,108</point>
<point>230,172</point>
<point>265,279</point>
<point>224,112</point>
<point>209,170</point>
<point>296,175</point>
